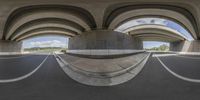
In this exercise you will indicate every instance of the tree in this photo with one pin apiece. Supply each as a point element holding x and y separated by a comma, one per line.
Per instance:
<point>162,47</point>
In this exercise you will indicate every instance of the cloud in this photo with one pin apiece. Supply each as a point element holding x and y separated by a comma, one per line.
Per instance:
<point>142,21</point>
<point>50,43</point>
<point>158,21</point>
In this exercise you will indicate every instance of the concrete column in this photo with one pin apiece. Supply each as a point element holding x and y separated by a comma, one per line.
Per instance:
<point>104,39</point>
<point>10,46</point>
<point>185,46</point>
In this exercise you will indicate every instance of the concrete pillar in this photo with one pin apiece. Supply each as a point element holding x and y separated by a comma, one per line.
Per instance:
<point>89,70</point>
<point>104,39</point>
<point>10,46</point>
<point>185,46</point>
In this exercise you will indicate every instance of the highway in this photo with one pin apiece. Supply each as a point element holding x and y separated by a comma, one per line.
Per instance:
<point>49,82</point>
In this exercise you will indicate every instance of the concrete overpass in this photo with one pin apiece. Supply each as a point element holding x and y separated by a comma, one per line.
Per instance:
<point>91,25</point>
<point>155,33</point>
<point>91,28</point>
<point>99,54</point>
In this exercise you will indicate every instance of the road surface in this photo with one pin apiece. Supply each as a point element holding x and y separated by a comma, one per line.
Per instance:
<point>49,82</point>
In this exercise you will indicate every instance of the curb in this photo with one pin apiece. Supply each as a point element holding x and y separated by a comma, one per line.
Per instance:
<point>102,79</point>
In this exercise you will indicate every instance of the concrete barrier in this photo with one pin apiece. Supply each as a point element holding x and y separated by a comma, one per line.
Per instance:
<point>101,77</point>
<point>108,53</point>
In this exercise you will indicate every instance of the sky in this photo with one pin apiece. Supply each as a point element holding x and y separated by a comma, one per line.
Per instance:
<point>157,21</point>
<point>46,41</point>
<point>60,41</point>
<point>151,44</point>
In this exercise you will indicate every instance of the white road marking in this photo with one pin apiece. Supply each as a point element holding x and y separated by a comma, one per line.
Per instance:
<point>163,55</point>
<point>176,55</point>
<point>177,75</point>
<point>24,76</point>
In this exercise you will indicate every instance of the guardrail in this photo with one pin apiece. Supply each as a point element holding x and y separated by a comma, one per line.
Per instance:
<point>99,54</point>
<point>20,53</point>
<point>10,53</point>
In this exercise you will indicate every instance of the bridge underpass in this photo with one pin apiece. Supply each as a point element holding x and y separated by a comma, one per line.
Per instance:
<point>50,82</point>
<point>99,54</point>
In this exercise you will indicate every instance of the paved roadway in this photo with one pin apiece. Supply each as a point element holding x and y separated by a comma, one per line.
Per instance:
<point>51,83</point>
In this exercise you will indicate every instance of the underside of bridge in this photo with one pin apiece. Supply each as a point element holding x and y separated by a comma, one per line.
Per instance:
<point>102,29</point>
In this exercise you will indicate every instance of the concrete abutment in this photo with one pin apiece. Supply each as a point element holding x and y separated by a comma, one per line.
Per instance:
<point>185,46</point>
<point>104,39</point>
<point>10,46</point>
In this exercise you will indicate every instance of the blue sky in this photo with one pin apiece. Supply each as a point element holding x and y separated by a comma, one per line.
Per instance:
<point>46,41</point>
<point>60,41</point>
<point>151,44</point>
<point>156,21</point>
<point>179,28</point>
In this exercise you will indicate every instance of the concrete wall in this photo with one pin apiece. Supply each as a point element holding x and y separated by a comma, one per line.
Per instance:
<point>104,39</point>
<point>10,46</point>
<point>185,46</point>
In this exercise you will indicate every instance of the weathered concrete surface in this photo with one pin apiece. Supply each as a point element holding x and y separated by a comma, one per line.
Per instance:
<point>104,13</point>
<point>185,46</point>
<point>10,46</point>
<point>104,52</point>
<point>155,33</point>
<point>104,39</point>
<point>102,72</point>
<point>27,18</point>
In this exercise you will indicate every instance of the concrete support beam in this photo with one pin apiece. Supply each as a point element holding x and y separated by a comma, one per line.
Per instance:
<point>10,46</point>
<point>185,46</point>
<point>104,39</point>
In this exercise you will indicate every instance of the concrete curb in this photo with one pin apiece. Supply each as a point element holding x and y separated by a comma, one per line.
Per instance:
<point>102,79</point>
<point>103,53</point>
<point>3,54</point>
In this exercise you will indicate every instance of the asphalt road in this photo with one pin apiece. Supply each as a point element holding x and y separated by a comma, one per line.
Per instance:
<point>51,83</point>
<point>16,66</point>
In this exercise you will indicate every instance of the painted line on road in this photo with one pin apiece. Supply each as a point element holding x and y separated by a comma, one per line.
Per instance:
<point>176,55</point>
<point>163,55</point>
<point>24,76</point>
<point>177,75</point>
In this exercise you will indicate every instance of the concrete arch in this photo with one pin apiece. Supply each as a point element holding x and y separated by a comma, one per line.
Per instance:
<point>47,31</point>
<point>121,15</point>
<point>155,31</point>
<point>158,38</point>
<point>44,24</point>
<point>45,14</point>
<point>45,34</point>
<point>152,35</point>
<point>30,13</point>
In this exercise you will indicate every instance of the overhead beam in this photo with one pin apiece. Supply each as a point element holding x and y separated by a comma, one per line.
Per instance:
<point>47,30</point>
<point>128,15</point>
